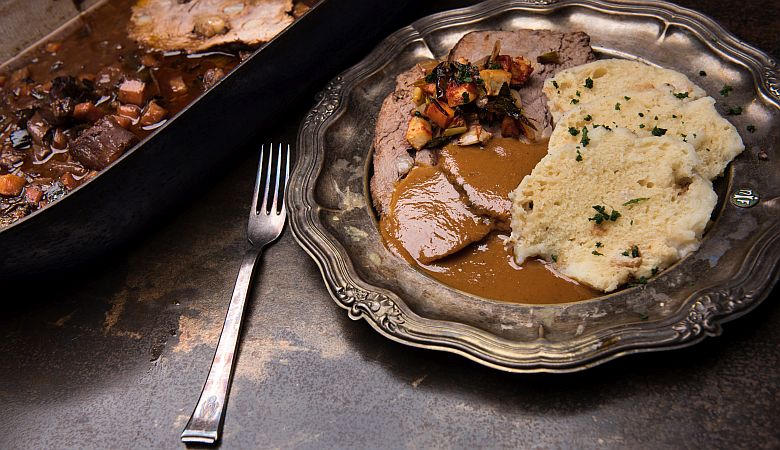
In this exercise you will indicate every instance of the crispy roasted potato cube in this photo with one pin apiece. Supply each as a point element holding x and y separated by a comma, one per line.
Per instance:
<point>439,113</point>
<point>153,114</point>
<point>87,111</point>
<point>419,132</point>
<point>460,94</point>
<point>521,71</point>
<point>494,79</point>
<point>11,185</point>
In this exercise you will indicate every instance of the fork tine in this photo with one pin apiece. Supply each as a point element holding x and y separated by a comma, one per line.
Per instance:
<point>256,193</point>
<point>278,175</point>
<point>267,194</point>
<point>286,177</point>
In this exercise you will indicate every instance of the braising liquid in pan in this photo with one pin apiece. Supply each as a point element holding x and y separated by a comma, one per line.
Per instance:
<point>475,262</point>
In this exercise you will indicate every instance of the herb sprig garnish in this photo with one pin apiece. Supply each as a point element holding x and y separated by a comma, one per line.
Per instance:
<point>634,201</point>
<point>602,215</point>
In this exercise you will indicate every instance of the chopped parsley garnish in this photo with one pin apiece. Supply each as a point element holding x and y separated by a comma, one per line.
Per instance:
<point>634,201</point>
<point>702,73</point>
<point>735,111</point>
<point>674,116</point>
<point>555,83</point>
<point>579,156</point>
<point>654,271</point>
<point>597,253</point>
<point>681,95</point>
<point>641,114</point>
<point>574,101</point>
<point>573,131</point>
<point>465,97</point>
<point>602,216</point>
<point>641,125</point>
<point>655,118</point>
<point>495,66</point>
<point>599,244</point>
<point>635,251</point>
<point>658,131</point>
<point>417,114</point>
<point>588,83</point>
<point>554,258</point>
<point>625,253</point>
<point>617,106</point>
<point>751,128</point>
<point>585,140</point>
<point>726,90</point>
<point>627,97</point>
<point>588,118</point>
<point>577,93</point>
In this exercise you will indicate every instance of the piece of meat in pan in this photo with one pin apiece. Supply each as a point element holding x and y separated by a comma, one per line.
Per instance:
<point>197,25</point>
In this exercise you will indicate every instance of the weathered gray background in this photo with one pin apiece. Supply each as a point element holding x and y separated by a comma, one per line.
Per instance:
<point>116,357</point>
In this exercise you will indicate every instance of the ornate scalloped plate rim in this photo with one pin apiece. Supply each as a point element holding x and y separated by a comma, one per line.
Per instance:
<point>702,313</point>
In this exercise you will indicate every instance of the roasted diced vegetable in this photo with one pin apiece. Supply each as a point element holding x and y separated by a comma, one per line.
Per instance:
<point>11,185</point>
<point>494,79</point>
<point>132,91</point>
<point>153,114</point>
<point>521,71</point>
<point>419,132</point>
<point>439,113</point>
<point>460,94</point>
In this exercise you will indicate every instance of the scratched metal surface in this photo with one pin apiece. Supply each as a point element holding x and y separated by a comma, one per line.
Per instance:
<point>116,357</point>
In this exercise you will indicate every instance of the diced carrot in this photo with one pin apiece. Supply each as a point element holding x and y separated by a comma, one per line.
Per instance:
<point>53,46</point>
<point>439,113</point>
<point>177,85</point>
<point>132,91</point>
<point>69,181</point>
<point>132,112</point>
<point>11,185</point>
<point>153,114</point>
<point>33,194</point>
<point>87,111</point>
<point>122,121</point>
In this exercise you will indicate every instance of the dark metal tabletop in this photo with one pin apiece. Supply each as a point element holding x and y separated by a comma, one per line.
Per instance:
<point>116,356</point>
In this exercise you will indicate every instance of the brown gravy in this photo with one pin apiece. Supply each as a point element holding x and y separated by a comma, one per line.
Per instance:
<point>484,176</point>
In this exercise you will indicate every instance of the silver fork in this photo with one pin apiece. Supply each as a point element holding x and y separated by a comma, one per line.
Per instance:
<point>265,226</point>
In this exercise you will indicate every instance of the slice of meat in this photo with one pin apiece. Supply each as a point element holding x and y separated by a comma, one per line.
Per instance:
<point>488,174</point>
<point>428,219</point>
<point>197,25</point>
<point>572,50</point>
<point>391,149</point>
<point>101,144</point>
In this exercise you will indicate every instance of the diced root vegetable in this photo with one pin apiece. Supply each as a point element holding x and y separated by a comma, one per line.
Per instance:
<point>122,121</point>
<point>178,86</point>
<point>33,194</point>
<point>132,112</point>
<point>494,79</point>
<point>68,181</point>
<point>460,94</point>
<point>11,185</point>
<point>419,132</point>
<point>439,113</point>
<point>87,111</point>
<point>132,91</point>
<point>153,114</point>
<point>521,70</point>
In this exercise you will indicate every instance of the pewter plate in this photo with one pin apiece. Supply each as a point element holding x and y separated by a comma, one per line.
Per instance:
<point>730,274</point>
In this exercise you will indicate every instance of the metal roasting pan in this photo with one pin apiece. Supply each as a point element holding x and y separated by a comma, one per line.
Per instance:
<point>168,165</point>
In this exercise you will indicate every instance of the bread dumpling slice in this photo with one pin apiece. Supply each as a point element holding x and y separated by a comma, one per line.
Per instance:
<point>618,209</point>
<point>659,113</point>
<point>611,77</point>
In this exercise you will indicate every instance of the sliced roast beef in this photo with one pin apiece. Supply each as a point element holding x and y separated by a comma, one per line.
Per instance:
<point>392,159</point>
<point>101,144</point>
<point>561,50</point>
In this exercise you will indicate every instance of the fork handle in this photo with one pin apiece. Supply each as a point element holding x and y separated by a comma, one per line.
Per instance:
<point>206,421</point>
